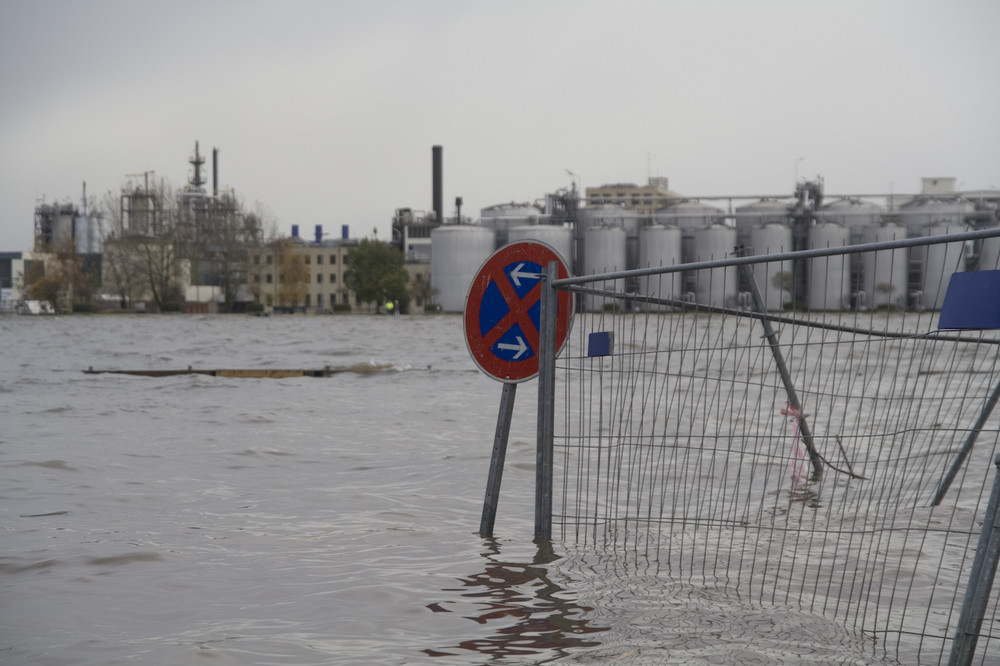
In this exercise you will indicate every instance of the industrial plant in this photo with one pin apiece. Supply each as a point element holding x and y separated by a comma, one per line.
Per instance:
<point>620,227</point>
<point>220,262</point>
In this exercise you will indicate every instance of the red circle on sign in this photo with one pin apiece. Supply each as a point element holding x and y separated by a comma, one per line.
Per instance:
<point>503,307</point>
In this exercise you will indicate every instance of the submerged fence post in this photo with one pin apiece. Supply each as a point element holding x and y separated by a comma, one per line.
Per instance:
<point>977,594</point>
<point>984,416</point>
<point>497,460</point>
<point>779,361</point>
<point>546,403</point>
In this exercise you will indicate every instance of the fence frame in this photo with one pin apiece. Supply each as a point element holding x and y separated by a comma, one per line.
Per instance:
<point>988,552</point>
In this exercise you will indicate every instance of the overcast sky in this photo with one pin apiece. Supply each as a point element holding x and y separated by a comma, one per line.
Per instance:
<point>325,112</point>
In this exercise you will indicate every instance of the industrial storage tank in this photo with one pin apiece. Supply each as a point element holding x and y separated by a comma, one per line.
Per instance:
<point>918,214</point>
<point>603,252</point>
<point>855,214</point>
<point>715,286</point>
<point>758,214</point>
<point>989,254</point>
<point>829,277</point>
<point>938,262</point>
<point>660,246</point>
<point>88,233</point>
<point>501,218</point>
<point>559,239</point>
<point>775,279</point>
<point>687,216</point>
<point>613,215</point>
<point>884,273</point>
<point>457,252</point>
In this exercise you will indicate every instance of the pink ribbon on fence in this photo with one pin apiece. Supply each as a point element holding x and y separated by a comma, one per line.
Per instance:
<point>798,454</point>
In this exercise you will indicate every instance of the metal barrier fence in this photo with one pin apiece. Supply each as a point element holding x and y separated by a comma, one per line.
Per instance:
<point>835,459</point>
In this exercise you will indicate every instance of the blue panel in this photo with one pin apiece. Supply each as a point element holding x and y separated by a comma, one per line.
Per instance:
<point>523,276</point>
<point>600,344</point>
<point>972,301</point>
<point>512,346</point>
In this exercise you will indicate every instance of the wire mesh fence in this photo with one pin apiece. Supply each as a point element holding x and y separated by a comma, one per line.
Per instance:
<point>770,427</point>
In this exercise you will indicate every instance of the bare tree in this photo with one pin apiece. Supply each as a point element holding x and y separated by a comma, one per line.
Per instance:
<point>140,250</point>
<point>293,274</point>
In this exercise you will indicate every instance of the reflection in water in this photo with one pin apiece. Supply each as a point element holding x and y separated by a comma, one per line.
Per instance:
<point>534,614</point>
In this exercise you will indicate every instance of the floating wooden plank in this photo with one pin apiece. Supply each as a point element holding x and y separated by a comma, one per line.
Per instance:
<point>245,373</point>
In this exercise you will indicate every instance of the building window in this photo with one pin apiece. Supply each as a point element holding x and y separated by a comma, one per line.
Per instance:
<point>319,278</point>
<point>307,299</point>
<point>256,278</point>
<point>333,278</point>
<point>269,257</point>
<point>333,258</point>
<point>307,259</point>
<point>319,258</point>
<point>319,300</point>
<point>256,258</point>
<point>269,278</point>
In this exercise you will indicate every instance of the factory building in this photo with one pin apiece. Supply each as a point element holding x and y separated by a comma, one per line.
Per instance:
<point>623,227</point>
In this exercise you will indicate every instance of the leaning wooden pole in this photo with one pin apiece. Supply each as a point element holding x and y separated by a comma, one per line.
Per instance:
<point>779,362</point>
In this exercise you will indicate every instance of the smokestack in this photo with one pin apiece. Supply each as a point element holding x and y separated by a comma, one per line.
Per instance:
<point>436,184</point>
<point>215,172</point>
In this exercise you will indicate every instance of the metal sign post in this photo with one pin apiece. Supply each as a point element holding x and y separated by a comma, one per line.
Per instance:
<point>497,460</point>
<point>546,406</point>
<point>504,320</point>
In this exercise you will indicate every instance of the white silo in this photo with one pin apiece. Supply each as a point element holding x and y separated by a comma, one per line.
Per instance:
<point>758,214</point>
<point>504,217</point>
<point>559,239</point>
<point>457,252</point>
<point>829,277</point>
<point>884,273</point>
<point>938,262</point>
<point>774,278</point>
<point>920,213</point>
<point>855,214</point>
<point>660,246</point>
<point>613,215</point>
<point>604,252</point>
<point>82,235</point>
<point>715,286</point>
<point>989,254</point>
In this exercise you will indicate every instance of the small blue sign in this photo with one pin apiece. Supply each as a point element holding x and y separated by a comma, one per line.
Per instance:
<point>972,301</point>
<point>600,344</point>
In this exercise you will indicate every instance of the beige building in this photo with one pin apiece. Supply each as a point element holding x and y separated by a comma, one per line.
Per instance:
<point>311,277</point>
<point>644,198</point>
<point>305,276</point>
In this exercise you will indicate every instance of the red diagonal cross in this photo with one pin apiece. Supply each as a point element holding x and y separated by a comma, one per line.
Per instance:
<point>518,313</point>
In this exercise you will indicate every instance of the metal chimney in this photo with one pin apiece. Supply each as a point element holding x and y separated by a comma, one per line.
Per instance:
<point>215,172</point>
<point>436,184</point>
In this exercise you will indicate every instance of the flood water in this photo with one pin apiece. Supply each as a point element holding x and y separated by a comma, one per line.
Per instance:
<point>197,519</point>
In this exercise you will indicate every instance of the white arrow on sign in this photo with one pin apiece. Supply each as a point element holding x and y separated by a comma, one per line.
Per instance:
<point>517,275</point>
<point>520,347</point>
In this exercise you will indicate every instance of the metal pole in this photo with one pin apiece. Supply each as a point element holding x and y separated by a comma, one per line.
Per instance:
<point>497,460</point>
<point>984,415</point>
<point>977,594</point>
<point>779,361</point>
<point>546,403</point>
